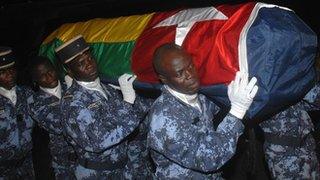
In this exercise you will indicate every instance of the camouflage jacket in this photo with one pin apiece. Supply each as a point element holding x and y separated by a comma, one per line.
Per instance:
<point>294,121</point>
<point>15,126</point>
<point>98,127</point>
<point>183,141</point>
<point>45,109</point>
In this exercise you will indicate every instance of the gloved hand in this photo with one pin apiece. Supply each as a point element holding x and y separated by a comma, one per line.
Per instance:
<point>68,80</point>
<point>115,87</point>
<point>241,94</point>
<point>125,82</point>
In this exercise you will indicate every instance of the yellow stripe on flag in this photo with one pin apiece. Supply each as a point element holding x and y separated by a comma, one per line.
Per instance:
<point>121,29</point>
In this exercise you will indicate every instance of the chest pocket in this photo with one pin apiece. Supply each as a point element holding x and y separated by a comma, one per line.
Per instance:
<point>94,106</point>
<point>53,104</point>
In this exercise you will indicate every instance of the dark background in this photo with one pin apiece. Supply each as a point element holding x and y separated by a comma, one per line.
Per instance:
<point>24,24</point>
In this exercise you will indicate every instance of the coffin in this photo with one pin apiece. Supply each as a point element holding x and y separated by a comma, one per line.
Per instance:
<point>269,42</point>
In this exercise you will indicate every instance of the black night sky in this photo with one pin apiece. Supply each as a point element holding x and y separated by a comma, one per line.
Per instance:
<point>25,23</point>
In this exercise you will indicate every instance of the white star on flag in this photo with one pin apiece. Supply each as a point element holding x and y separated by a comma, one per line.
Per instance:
<point>185,19</point>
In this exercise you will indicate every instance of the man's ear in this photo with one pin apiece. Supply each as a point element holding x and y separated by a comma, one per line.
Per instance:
<point>163,79</point>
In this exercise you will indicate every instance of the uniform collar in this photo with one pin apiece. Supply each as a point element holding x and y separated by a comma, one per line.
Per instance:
<point>10,94</point>
<point>95,86</point>
<point>56,91</point>
<point>192,100</point>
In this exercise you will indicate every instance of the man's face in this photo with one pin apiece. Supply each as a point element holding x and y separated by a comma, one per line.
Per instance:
<point>46,76</point>
<point>84,67</point>
<point>179,72</point>
<point>8,77</point>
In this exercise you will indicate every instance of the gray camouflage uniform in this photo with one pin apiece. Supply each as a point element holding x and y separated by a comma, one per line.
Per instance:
<point>139,160</point>
<point>45,109</point>
<point>15,136</point>
<point>293,161</point>
<point>183,142</point>
<point>98,128</point>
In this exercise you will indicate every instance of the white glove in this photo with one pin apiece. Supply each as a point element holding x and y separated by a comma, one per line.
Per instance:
<point>125,82</point>
<point>115,87</point>
<point>241,94</point>
<point>68,80</point>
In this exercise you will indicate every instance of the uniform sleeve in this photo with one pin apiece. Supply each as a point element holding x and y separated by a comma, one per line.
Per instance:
<point>46,115</point>
<point>143,104</point>
<point>193,147</point>
<point>13,127</point>
<point>312,99</point>
<point>97,134</point>
<point>6,131</point>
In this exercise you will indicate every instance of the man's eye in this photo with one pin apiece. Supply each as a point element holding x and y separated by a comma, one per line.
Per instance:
<point>179,74</point>
<point>80,61</point>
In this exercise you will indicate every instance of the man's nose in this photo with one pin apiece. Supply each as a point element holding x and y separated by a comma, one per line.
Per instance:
<point>10,71</point>
<point>86,63</point>
<point>188,74</point>
<point>51,74</point>
<point>91,63</point>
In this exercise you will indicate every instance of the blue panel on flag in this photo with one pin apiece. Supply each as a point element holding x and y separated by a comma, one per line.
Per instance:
<point>280,51</point>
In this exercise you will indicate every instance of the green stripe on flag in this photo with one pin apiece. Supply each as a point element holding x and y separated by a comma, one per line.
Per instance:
<point>113,59</point>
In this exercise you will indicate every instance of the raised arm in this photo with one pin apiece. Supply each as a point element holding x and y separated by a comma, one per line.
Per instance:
<point>97,129</point>
<point>194,147</point>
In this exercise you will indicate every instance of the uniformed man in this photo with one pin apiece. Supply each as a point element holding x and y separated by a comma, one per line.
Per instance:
<point>97,118</point>
<point>289,146</point>
<point>45,109</point>
<point>182,138</point>
<point>15,123</point>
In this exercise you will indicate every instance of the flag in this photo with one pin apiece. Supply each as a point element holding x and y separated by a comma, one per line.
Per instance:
<point>111,41</point>
<point>269,42</point>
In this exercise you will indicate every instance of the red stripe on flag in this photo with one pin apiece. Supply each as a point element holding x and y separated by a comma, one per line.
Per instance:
<point>213,45</point>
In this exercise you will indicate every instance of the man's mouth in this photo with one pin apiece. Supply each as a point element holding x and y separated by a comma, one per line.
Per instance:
<point>11,83</point>
<point>194,83</point>
<point>53,84</point>
<point>93,73</point>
